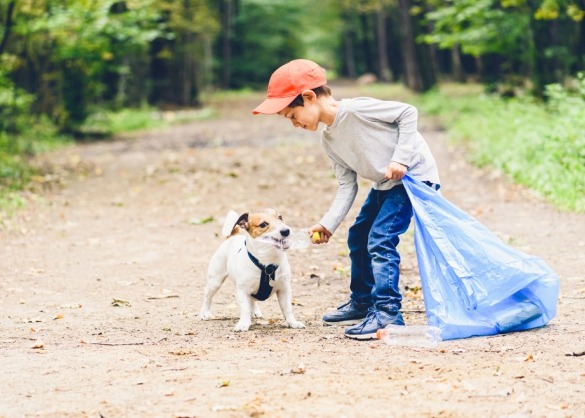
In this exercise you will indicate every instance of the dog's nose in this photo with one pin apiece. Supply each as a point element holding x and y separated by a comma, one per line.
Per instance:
<point>285,232</point>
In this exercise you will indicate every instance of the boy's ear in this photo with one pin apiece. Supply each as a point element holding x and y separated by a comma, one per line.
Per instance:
<point>309,95</point>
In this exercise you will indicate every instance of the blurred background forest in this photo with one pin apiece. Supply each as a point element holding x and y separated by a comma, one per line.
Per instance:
<point>67,67</point>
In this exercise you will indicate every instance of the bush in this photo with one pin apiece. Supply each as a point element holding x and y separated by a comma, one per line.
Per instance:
<point>540,145</point>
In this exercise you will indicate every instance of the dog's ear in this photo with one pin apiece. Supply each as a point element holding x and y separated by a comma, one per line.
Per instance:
<point>230,224</point>
<point>243,221</point>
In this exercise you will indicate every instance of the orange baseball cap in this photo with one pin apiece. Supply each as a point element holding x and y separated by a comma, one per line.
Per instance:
<point>287,82</point>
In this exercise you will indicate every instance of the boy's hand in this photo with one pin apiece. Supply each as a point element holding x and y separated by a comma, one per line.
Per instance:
<point>319,234</point>
<point>395,171</point>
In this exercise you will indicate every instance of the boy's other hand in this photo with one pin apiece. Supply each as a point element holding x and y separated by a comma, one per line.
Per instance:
<point>324,234</point>
<point>395,171</point>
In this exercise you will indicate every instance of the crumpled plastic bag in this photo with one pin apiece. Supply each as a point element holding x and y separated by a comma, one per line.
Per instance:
<point>473,283</point>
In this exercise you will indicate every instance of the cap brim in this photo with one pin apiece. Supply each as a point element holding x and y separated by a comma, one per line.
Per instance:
<point>273,105</point>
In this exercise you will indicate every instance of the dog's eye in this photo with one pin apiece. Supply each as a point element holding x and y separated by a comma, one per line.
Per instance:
<point>280,217</point>
<point>263,225</point>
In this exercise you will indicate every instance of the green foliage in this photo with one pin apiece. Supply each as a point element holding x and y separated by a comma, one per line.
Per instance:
<point>21,134</point>
<point>539,145</point>
<point>81,41</point>
<point>41,135</point>
<point>107,123</point>
<point>478,27</point>
<point>269,34</point>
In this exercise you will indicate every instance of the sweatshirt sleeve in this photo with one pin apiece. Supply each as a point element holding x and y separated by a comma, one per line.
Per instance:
<point>344,198</point>
<point>405,116</point>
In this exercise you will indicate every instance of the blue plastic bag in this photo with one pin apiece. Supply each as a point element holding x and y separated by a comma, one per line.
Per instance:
<point>474,284</point>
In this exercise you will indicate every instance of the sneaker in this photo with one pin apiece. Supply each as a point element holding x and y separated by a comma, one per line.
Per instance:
<point>349,313</point>
<point>374,321</point>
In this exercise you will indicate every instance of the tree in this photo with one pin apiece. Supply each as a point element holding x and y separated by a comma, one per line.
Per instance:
<point>65,49</point>
<point>181,55</point>
<point>530,38</point>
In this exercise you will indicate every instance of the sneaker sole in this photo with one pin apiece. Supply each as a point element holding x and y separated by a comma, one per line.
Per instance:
<point>362,336</point>
<point>346,322</point>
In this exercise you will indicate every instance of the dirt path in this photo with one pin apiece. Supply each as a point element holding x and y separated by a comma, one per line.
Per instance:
<point>130,224</point>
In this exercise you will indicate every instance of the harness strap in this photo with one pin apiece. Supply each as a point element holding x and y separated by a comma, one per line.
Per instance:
<point>267,274</point>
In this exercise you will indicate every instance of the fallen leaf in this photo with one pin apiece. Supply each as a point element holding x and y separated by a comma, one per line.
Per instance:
<point>58,316</point>
<point>202,221</point>
<point>530,357</point>
<point>223,384</point>
<point>38,344</point>
<point>217,408</point>
<point>300,369</point>
<point>181,352</point>
<point>121,302</point>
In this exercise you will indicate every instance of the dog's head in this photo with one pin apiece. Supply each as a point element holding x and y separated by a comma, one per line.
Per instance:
<point>266,226</point>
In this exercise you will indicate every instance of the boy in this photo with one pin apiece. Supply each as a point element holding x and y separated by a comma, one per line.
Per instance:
<point>377,140</point>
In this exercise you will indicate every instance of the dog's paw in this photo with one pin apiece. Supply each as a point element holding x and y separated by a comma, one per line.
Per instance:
<point>296,324</point>
<point>258,314</point>
<point>242,326</point>
<point>205,315</point>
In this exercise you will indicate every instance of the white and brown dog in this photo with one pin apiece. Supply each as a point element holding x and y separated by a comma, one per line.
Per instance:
<point>257,263</point>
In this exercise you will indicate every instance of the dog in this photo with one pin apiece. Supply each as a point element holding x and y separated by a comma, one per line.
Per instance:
<point>254,256</point>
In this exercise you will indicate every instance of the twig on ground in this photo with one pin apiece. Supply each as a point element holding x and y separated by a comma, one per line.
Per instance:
<point>140,343</point>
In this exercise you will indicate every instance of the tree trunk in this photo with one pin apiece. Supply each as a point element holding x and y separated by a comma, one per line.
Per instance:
<point>412,76</point>
<point>205,80</point>
<point>7,26</point>
<point>581,46</point>
<point>368,58</point>
<point>227,24</point>
<point>457,68</point>
<point>348,48</point>
<point>384,68</point>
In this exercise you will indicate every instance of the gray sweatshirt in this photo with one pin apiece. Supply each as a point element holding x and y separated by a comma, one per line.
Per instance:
<point>365,137</point>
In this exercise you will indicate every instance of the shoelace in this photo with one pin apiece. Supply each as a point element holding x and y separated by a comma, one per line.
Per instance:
<point>372,314</point>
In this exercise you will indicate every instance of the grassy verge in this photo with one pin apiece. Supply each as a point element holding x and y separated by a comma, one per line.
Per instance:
<point>539,145</point>
<point>15,153</point>
<point>39,135</point>
<point>104,124</point>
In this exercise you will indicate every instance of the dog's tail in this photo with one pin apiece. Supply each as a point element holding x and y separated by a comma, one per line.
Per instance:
<point>229,226</point>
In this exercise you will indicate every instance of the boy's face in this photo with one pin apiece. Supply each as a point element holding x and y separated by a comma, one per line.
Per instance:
<point>306,116</point>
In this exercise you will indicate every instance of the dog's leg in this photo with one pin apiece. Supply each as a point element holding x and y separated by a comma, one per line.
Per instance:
<point>245,302</point>
<point>285,302</point>
<point>216,275</point>
<point>257,311</point>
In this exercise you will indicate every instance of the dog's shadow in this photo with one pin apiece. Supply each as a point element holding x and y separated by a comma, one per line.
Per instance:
<point>265,325</point>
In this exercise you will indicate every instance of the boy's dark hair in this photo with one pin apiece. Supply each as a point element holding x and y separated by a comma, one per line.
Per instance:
<point>319,91</point>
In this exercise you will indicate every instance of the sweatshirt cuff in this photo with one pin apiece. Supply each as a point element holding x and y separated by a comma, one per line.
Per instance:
<point>402,156</point>
<point>328,223</point>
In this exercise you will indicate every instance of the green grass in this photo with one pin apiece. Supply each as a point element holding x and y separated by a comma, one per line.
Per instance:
<point>104,123</point>
<point>538,145</point>
<point>15,151</point>
<point>40,135</point>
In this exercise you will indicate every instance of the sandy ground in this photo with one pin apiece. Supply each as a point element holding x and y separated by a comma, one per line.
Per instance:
<point>136,220</point>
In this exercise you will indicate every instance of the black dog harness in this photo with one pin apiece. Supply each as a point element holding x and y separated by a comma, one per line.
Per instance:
<point>267,274</point>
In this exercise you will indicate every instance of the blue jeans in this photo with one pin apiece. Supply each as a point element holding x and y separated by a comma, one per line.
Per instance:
<point>372,242</point>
